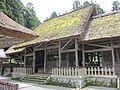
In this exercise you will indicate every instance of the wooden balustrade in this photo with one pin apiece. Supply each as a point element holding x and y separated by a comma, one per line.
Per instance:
<point>8,86</point>
<point>22,70</point>
<point>76,71</point>
<point>109,71</point>
<point>69,71</point>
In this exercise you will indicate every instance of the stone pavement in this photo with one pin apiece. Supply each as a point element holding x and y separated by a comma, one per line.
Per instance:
<point>31,86</point>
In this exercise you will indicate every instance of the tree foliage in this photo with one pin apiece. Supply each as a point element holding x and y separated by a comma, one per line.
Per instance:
<point>116,5</point>
<point>99,9</point>
<point>53,15</point>
<point>17,11</point>
<point>86,3</point>
<point>77,6</point>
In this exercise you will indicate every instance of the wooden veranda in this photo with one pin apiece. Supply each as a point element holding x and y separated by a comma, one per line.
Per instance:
<point>71,53</point>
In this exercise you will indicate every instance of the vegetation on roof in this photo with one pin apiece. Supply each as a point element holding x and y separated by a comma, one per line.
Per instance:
<point>67,25</point>
<point>108,26</point>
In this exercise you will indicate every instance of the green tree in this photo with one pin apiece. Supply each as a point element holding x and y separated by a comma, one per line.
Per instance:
<point>86,3</point>
<point>76,5</point>
<point>116,5</point>
<point>99,9</point>
<point>21,14</point>
<point>53,15</point>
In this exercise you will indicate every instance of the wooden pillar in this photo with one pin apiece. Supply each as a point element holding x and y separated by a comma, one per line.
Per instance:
<point>102,59</point>
<point>59,53</point>
<point>117,55</point>
<point>76,52</point>
<point>33,60</point>
<point>45,58</point>
<point>21,60</point>
<point>25,58</point>
<point>67,59</point>
<point>113,56</point>
<point>83,55</point>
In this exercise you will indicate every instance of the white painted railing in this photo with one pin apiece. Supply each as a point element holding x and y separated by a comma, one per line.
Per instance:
<point>69,71</point>
<point>109,71</point>
<point>90,71</point>
<point>22,70</point>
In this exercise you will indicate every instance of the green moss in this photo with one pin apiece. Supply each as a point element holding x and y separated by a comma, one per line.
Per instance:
<point>64,26</point>
<point>108,26</point>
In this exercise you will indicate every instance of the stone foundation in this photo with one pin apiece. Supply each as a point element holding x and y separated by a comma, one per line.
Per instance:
<point>82,81</point>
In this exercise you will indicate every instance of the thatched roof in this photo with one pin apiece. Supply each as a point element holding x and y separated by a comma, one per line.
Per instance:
<point>11,50</point>
<point>6,41</point>
<point>8,27</point>
<point>71,24</point>
<point>107,26</point>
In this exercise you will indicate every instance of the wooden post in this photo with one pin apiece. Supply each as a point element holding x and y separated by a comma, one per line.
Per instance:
<point>67,59</point>
<point>21,60</point>
<point>59,53</point>
<point>76,52</point>
<point>25,58</point>
<point>117,55</point>
<point>45,58</point>
<point>83,55</point>
<point>113,56</point>
<point>33,64</point>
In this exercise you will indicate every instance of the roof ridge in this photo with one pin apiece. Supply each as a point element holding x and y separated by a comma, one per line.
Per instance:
<point>105,14</point>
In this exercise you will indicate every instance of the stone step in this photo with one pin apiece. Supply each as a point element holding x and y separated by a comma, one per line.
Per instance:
<point>40,80</point>
<point>37,79</point>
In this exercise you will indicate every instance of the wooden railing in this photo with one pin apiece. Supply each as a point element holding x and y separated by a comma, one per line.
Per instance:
<point>108,71</point>
<point>78,71</point>
<point>69,71</point>
<point>8,86</point>
<point>22,70</point>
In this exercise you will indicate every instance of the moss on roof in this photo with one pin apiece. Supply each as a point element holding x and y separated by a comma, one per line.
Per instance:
<point>67,25</point>
<point>104,27</point>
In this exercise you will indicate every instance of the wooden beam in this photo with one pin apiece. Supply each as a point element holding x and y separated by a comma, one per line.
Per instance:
<point>98,45</point>
<point>51,47</point>
<point>66,44</point>
<point>97,50</point>
<point>76,52</point>
<point>30,49</point>
<point>45,58</point>
<point>70,50</point>
<point>59,53</point>
<point>30,54</point>
<point>83,55</point>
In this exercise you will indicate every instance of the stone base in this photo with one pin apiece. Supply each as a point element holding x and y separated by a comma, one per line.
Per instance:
<point>82,81</point>
<point>15,76</point>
